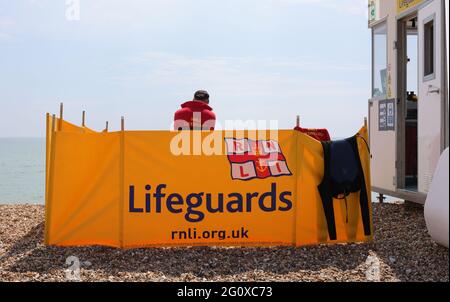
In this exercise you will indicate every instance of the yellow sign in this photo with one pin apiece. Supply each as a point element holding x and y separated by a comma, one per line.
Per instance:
<point>132,189</point>
<point>403,5</point>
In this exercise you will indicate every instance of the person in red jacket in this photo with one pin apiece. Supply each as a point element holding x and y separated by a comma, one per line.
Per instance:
<point>195,114</point>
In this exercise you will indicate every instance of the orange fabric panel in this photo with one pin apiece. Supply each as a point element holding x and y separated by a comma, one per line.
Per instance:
<point>48,142</point>
<point>84,189</point>
<point>147,163</point>
<point>66,126</point>
<point>48,147</point>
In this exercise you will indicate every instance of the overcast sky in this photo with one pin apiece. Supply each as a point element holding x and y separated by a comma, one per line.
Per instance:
<point>259,60</point>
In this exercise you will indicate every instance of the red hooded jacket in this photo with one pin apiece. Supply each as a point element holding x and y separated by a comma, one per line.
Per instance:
<point>194,115</point>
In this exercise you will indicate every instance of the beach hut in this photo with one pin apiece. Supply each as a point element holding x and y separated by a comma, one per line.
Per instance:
<point>408,108</point>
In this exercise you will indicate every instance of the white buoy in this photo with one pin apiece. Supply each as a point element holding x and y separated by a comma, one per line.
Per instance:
<point>436,204</point>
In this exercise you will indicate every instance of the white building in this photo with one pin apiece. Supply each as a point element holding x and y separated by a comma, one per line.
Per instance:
<point>408,110</point>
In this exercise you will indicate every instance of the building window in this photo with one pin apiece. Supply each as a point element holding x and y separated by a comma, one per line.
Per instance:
<point>379,61</point>
<point>428,51</point>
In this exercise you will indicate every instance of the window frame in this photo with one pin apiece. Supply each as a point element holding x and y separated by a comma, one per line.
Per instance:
<point>380,23</point>
<point>431,76</point>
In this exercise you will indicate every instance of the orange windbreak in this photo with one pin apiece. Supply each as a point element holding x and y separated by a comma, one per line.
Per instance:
<point>135,189</point>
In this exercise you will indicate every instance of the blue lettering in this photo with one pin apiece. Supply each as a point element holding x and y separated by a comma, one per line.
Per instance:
<point>234,203</point>
<point>191,206</point>
<point>288,202</point>
<point>234,206</point>
<point>174,199</point>
<point>132,209</point>
<point>273,199</point>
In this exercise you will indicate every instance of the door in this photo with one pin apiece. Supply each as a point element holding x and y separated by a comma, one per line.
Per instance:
<point>382,108</point>
<point>407,91</point>
<point>430,99</point>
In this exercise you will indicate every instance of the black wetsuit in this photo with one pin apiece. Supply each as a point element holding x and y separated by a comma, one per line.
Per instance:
<point>343,174</point>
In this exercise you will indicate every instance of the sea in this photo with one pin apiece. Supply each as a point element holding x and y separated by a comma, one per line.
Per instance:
<point>22,171</point>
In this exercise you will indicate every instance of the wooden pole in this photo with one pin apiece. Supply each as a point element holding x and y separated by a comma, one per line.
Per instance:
<point>61,116</point>
<point>61,110</point>
<point>297,123</point>
<point>83,119</point>
<point>53,123</point>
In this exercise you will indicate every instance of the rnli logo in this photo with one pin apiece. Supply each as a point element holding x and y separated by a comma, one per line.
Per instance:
<point>255,159</point>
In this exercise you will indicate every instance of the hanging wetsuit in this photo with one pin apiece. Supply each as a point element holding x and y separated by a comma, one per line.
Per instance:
<point>343,174</point>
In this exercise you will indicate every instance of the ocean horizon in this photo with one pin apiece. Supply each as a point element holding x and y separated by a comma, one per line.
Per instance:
<point>22,171</point>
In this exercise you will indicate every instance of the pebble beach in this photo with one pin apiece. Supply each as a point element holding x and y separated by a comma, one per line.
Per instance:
<point>402,251</point>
